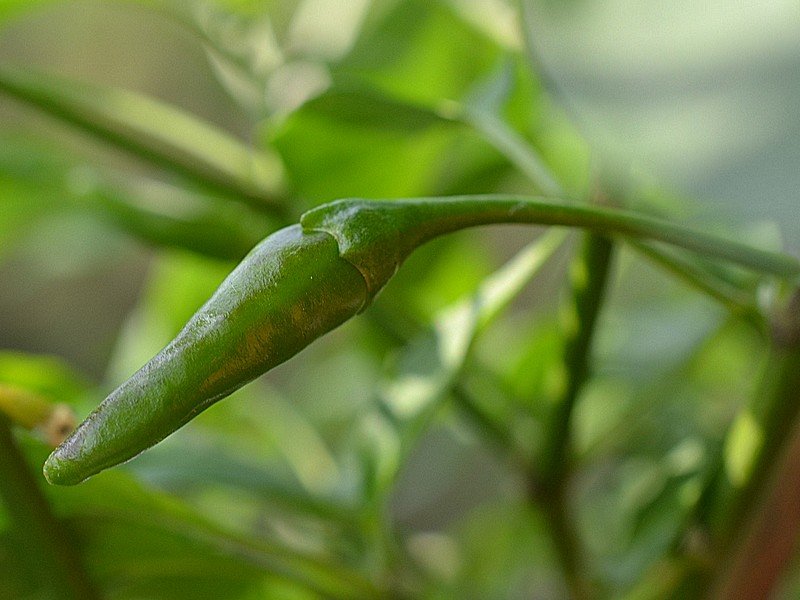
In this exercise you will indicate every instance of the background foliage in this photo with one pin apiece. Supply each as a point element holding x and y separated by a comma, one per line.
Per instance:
<point>376,461</point>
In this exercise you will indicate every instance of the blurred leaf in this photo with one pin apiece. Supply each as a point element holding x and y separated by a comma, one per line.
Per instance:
<point>430,364</point>
<point>359,141</point>
<point>14,8</point>
<point>533,371</point>
<point>656,412</point>
<point>426,369</point>
<point>404,52</point>
<point>506,553</point>
<point>167,216</point>
<point>175,469</point>
<point>240,40</point>
<point>139,543</point>
<point>363,106</point>
<point>405,63</point>
<point>300,443</point>
<point>483,110</point>
<point>254,8</point>
<point>430,282</point>
<point>654,323</point>
<point>44,561</point>
<point>154,212</point>
<point>658,522</point>
<point>498,417</point>
<point>154,131</point>
<point>486,97</point>
<point>46,375</point>
<point>327,159</point>
<point>498,19</point>
<point>270,426</point>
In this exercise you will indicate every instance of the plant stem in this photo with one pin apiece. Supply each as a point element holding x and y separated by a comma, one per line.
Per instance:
<point>379,235</point>
<point>566,541</point>
<point>739,507</point>
<point>450,214</point>
<point>768,544</point>
<point>41,536</point>
<point>589,278</point>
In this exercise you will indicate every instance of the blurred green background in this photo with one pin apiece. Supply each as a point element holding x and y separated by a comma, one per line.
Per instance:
<point>689,109</point>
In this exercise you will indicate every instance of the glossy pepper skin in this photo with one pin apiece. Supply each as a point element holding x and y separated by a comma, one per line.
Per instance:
<point>292,288</point>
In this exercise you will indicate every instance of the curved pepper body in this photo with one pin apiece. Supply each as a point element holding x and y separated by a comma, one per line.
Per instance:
<point>291,289</point>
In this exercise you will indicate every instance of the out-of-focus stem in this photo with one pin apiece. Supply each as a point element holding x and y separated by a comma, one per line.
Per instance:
<point>741,509</point>
<point>589,277</point>
<point>757,465</point>
<point>768,544</point>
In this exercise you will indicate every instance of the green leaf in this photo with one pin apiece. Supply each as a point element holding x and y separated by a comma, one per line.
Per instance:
<point>428,368</point>
<point>506,553</point>
<point>154,212</point>
<point>404,52</point>
<point>140,543</point>
<point>430,364</point>
<point>357,103</point>
<point>194,555</point>
<point>360,105</point>
<point>164,215</point>
<point>327,159</point>
<point>205,465</point>
<point>483,110</point>
<point>156,132</point>
<point>43,561</point>
<point>49,376</point>
<point>13,8</point>
<point>374,133</point>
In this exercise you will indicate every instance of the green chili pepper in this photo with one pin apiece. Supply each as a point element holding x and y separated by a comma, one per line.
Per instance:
<point>303,281</point>
<point>292,288</point>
